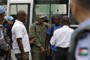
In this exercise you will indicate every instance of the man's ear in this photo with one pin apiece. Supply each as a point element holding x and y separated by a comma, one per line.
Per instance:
<point>75,9</point>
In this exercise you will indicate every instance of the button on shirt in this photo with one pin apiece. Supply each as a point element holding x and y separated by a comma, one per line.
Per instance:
<point>62,37</point>
<point>19,31</point>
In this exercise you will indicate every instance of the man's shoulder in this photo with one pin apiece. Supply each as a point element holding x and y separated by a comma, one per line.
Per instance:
<point>57,30</point>
<point>17,26</point>
<point>68,28</point>
<point>18,23</point>
<point>60,29</point>
<point>71,29</point>
<point>34,25</point>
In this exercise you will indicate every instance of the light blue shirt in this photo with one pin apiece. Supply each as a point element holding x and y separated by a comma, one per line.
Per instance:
<point>83,47</point>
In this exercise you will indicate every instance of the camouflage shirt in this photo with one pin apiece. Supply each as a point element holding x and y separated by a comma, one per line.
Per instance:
<point>40,33</point>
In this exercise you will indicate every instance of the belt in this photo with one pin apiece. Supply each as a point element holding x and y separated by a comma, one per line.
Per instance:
<point>63,48</point>
<point>20,53</point>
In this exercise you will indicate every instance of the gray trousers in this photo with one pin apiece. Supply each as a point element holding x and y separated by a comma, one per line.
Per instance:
<point>19,56</point>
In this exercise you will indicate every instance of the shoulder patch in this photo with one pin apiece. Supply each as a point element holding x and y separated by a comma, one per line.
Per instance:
<point>83,51</point>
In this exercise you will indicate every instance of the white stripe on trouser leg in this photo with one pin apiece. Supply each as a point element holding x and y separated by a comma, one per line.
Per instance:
<point>13,55</point>
<point>30,57</point>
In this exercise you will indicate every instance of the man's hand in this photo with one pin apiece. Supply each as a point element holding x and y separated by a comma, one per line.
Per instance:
<point>20,44</point>
<point>33,40</point>
<point>42,50</point>
<point>48,51</point>
<point>24,56</point>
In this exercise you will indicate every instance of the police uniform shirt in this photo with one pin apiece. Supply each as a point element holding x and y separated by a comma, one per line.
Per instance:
<point>83,47</point>
<point>62,37</point>
<point>19,31</point>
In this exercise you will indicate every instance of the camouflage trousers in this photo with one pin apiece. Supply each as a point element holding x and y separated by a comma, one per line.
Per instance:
<point>5,58</point>
<point>36,54</point>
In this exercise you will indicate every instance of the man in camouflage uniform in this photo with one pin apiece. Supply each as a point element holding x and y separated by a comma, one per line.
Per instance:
<point>4,46</point>
<point>38,32</point>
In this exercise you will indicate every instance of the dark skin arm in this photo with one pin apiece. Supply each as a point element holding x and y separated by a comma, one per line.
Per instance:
<point>19,40</point>
<point>20,44</point>
<point>32,40</point>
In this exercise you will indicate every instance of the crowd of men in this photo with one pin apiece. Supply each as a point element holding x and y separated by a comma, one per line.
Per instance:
<point>57,41</point>
<point>40,43</point>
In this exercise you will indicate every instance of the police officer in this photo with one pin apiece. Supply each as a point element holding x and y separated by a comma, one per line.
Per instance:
<point>8,25</point>
<point>3,38</point>
<point>38,32</point>
<point>80,48</point>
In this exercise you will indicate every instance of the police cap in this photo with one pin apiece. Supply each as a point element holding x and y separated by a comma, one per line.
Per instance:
<point>2,10</point>
<point>9,18</point>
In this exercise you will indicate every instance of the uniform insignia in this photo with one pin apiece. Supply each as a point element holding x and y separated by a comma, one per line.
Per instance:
<point>83,52</point>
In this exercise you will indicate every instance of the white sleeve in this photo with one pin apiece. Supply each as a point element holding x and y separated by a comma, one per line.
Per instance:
<point>53,40</point>
<point>18,32</point>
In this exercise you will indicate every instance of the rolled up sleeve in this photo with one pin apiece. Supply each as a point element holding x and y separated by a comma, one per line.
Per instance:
<point>19,32</point>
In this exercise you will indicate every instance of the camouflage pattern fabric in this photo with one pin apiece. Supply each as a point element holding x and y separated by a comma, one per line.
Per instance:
<point>39,32</point>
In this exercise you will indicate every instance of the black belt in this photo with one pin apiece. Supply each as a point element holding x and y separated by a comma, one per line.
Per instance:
<point>20,53</point>
<point>59,48</point>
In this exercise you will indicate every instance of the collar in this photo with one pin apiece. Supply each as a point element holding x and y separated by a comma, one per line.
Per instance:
<point>19,21</point>
<point>56,25</point>
<point>65,26</point>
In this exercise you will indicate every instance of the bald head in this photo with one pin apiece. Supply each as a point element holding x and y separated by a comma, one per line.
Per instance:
<point>65,20</point>
<point>21,15</point>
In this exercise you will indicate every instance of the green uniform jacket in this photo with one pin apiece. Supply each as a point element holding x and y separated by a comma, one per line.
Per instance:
<point>40,33</point>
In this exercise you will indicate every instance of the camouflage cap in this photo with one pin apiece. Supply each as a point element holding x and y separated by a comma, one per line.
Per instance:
<point>41,17</point>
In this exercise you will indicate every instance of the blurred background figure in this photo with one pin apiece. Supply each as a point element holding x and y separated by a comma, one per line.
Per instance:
<point>55,23</point>
<point>80,48</point>
<point>8,23</point>
<point>4,41</point>
<point>56,19</point>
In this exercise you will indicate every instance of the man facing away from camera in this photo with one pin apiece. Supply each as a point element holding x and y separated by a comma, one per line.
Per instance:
<point>61,39</point>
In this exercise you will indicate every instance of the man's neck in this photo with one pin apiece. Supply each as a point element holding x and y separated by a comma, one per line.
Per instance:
<point>20,20</point>
<point>83,17</point>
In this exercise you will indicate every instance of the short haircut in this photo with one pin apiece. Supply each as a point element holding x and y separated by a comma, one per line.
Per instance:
<point>65,20</point>
<point>57,16</point>
<point>19,13</point>
<point>84,3</point>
